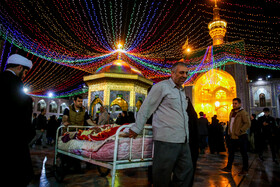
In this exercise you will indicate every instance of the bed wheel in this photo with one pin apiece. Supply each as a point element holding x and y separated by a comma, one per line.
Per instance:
<point>59,169</point>
<point>103,171</point>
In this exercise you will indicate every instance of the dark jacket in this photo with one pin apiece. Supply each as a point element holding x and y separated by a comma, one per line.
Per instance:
<point>52,127</point>
<point>42,122</point>
<point>202,126</point>
<point>18,130</point>
<point>270,129</point>
<point>254,127</point>
<point>193,133</point>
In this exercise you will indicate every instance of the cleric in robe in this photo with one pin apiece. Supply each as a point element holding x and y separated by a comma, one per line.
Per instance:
<point>16,115</point>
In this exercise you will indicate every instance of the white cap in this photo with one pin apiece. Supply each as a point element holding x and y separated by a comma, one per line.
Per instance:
<point>20,60</point>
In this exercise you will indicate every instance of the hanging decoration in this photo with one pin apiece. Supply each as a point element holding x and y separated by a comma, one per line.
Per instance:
<point>70,39</point>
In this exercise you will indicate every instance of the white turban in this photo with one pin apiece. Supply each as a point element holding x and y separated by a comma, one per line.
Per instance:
<point>20,60</point>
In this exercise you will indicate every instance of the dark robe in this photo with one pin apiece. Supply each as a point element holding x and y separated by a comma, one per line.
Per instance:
<point>193,133</point>
<point>216,137</point>
<point>17,130</point>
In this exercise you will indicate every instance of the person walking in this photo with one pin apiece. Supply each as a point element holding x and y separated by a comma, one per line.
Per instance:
<point>34,121</point>
<point>51,129</point>
<point>18,129</point>
<point>41,129</point>
<point>253,133</point>
<point>167,102</point>
<point>269,131</point>
<point>239,123</point>
<point>202,126</point>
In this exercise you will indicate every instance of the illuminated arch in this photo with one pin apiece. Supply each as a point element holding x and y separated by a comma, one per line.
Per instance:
<point>41,104</point>
<point>93,110</point>
<point>213,92</point>
<point>120,102</point>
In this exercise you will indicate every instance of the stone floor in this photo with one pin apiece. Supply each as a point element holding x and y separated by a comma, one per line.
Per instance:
<point>208,173</point>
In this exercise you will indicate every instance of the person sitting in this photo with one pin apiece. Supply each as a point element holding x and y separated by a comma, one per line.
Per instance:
<point>96,118</point>
<point>131,118</point>
<point>123,118</point>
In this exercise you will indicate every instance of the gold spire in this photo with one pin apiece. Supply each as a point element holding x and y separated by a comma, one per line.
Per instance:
<point>186,48</point>
<point>217,27</point>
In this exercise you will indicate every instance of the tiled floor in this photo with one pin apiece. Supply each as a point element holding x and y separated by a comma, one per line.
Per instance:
<point>208,173</point>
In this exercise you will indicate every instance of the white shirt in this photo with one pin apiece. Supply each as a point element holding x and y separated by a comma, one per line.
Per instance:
<point>168,105</point>
<point>231,123</point>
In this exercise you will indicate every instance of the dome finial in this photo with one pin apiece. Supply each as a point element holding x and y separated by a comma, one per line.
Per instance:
<point>120,49</point>
<point>217,27</point>
<point>215,3</point>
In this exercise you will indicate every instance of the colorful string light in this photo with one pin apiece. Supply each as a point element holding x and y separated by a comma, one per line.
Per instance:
<point>83,35</point>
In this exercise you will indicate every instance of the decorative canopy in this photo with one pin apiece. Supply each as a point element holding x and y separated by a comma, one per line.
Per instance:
<point>67,40</point>
<point>118,66</point>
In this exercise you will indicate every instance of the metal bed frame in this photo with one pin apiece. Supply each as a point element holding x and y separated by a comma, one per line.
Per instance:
<point>112,165</point>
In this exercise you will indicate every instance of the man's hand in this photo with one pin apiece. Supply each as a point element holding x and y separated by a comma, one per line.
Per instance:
<point>132,134</point>
<point>66,123</point>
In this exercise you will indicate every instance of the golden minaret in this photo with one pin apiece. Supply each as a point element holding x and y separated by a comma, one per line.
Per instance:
<point>217,27</point>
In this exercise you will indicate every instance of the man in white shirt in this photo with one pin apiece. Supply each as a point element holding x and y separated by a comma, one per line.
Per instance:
<point>167,102</point>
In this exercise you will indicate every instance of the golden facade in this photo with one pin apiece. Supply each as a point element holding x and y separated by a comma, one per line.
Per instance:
<point>119,84</point>
<point>213,92</point>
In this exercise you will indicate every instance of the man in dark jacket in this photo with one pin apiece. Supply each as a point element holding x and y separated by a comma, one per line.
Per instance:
<point>17,130</point>
<point>268,128</point>
<point>41,129</point>
<point>202,126</point>
<point>254,133</point>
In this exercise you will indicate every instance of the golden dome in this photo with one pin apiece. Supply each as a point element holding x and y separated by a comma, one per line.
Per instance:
<point>118,66</point>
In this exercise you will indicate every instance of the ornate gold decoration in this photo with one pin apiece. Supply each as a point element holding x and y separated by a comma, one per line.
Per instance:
<point>107,80</point>
<point>217,27</point>
<point>121,102</point>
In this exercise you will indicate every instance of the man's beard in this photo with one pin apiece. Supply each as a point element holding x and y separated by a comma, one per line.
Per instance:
<point>20,75</point>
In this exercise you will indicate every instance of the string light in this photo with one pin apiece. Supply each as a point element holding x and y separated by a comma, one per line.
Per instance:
<point>83,35</point>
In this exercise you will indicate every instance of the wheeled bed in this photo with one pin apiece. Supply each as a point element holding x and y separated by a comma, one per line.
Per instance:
<point>114,152</point>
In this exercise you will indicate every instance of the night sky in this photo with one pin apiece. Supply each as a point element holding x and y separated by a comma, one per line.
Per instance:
<point>69,39</point>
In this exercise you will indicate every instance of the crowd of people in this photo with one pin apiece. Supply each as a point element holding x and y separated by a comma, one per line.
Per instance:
<point>46,128</point>
<point>178,134</point>
<point>263,131</point>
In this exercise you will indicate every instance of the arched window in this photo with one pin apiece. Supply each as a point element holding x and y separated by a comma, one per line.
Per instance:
<point>213,92</point>
<point>62,107</point>
<point>41,104</point>
<point>262,100</point>
<point>53,107</point>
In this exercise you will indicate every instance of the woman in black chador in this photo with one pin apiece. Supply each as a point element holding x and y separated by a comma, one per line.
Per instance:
<point>216,136</point>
